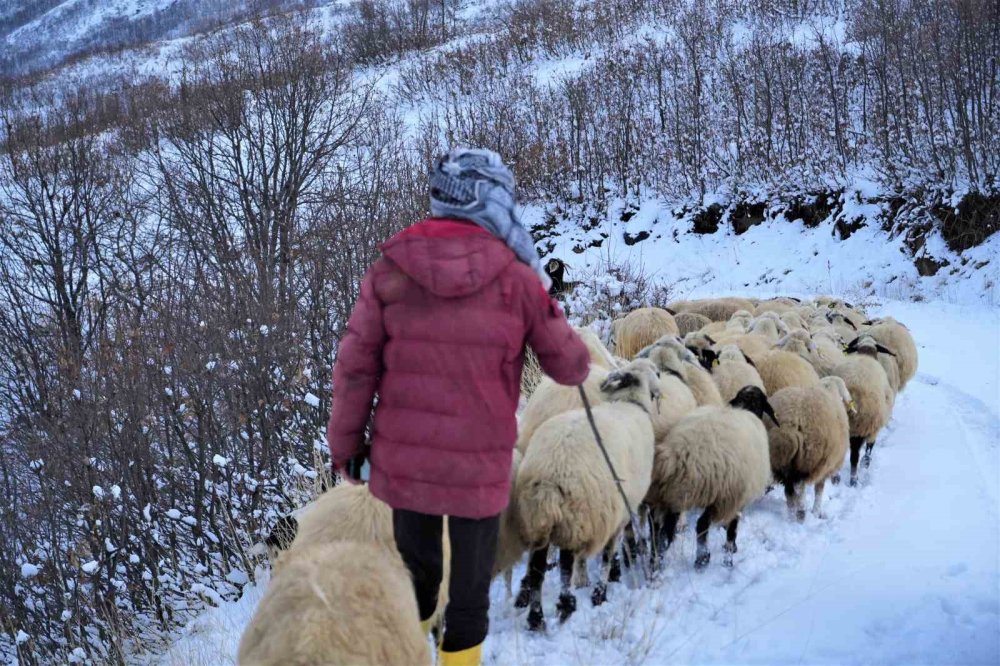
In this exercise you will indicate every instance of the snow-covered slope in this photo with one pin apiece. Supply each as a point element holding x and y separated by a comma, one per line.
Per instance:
<point>904,570</point>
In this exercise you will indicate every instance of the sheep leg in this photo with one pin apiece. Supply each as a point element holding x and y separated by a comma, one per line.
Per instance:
<point>600,593</point>
<point>664,535</point>
<point>818,499</point>
<point>567,602</point>
<point>537,566</point>
<point>508,582</point>
<point>613,560</point>
<point>867,459</point>
<point>730,547</point>
<point>579,568</point>
<point>856,443</point>
<point>793,497</point>
<point>702,556</point>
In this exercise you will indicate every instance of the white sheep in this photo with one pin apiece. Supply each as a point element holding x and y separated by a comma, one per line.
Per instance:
<point>780,369</point>
<point>872,395</point>
<point>688,322</point>
<point>810,444</point>
<point>349,512</point>
<point>676,397</point>
<point>566,494</point>
<point>828,351</point>
<point>734,371</point>
<point>344,602</point>
<point>640,328</point>
<point>896,337</point>
<point>716,458</point>
<point>695,376</point>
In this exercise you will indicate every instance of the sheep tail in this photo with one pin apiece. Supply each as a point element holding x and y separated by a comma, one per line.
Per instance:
<point>540,508</point>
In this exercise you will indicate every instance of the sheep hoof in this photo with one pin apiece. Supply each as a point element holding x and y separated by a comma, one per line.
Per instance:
<point>853,482</point>
<point>835,479</point>
<point>769,489</point>
<point>800,515</point>
<point>822,515</point>
<point>536,619</point>
<point>702,560</point>
<point>523,597</point>
<point>566,606</point>
<point>727,560</point>
<point>599,595</point>
<point>866,460</point>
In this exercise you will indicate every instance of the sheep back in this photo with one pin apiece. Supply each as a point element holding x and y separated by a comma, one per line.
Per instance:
<point>716,456</point>
<point>781,369</point>
<point>688,322</point>
<point>641,328</point>
<point>812,440</point>
<point>676,401</point>
<point>344,603</point>
<point>870,390</point>
<point>566,495</point>
<point>551,399</point>
<point>701,384</point>
<point>731,376</point>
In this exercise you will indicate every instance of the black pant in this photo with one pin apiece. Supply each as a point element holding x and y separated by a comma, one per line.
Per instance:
<point>473,550</point>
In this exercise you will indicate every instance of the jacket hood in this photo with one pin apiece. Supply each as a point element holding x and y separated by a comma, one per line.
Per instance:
<point>449,258</point>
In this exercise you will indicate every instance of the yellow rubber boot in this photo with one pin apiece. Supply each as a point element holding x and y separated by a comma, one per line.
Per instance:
<point>469,657</point>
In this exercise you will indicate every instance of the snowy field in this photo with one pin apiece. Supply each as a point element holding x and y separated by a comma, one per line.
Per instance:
<point>903,571</point>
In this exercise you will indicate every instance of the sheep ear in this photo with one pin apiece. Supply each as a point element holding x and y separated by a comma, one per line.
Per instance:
<point>673,372</point>
<point>852,346</point>
<point>848,305</point>
<point>710,340</point>
<point>868,322</point>
<point>850,323</point>
<point>748,359</point>
<point>672,312</point>
<point>884,350</point>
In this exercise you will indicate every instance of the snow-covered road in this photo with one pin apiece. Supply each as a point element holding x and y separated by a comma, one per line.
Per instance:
<point>903,571</point>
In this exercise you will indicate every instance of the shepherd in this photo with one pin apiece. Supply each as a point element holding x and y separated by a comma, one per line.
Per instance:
<point>438,334</point>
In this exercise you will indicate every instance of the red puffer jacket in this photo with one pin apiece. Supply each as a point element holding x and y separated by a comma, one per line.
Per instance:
<point>438,332</point>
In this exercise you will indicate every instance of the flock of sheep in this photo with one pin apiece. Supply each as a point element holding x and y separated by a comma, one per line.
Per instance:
<point>701,405</point>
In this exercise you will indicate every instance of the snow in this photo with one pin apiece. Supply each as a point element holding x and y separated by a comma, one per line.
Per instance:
<point>29,570</point>
<point>311,400</point>
<point>220,461</point>
<point>903,570</point>
<point>90,567</point>
<point>21,637</point>
<point>173,514</point>
<point>98,492</point>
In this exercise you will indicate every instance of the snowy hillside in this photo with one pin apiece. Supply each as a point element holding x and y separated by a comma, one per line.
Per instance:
<point>905,569</point>
<point>189,197</point>
<point>36,35</point>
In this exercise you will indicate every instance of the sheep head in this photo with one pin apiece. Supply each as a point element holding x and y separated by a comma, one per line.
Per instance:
<point>867,345</point>
<point>666,359</point>
<point>798,342</point>
<point>752,399</point>
<point>638,382</point>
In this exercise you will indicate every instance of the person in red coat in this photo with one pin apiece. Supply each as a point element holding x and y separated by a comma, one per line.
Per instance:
<point>438,334</point>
